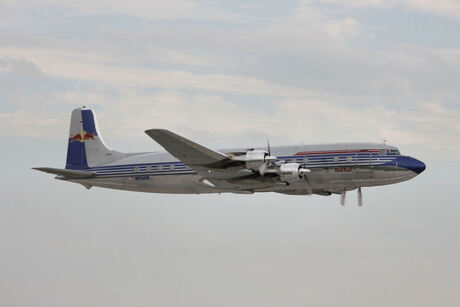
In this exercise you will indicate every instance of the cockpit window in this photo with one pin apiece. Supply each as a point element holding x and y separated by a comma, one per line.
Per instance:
<point>393,152</point>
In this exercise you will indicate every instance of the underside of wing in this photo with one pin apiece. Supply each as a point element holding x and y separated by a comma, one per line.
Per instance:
<point>185,150</point>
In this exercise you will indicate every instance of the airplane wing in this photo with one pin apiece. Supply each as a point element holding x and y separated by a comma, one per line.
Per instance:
<point>185,150</point>
<point>71,174</point>
<point>201,159</point>
<point>220,170</point>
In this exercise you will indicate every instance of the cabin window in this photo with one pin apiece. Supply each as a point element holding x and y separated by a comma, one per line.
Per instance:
<point>393,152</point>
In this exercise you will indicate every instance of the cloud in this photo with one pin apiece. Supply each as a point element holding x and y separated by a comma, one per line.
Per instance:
<point>307,52</point>
<point>413,127</point>
<point>226,76</point>
<point>80,66</point>
<point>300,72</point>
<point>15,65</point>
<point>428,128</point>
<point>216,11</point>
<point>24,123</point>
<point>148,9</point>
<point>449,8</point>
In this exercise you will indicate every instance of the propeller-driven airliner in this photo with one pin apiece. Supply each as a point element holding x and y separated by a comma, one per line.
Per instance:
<point>187,167</point>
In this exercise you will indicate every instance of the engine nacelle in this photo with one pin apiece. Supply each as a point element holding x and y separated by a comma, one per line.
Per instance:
<point>292,172</point>
<point>255,159</point>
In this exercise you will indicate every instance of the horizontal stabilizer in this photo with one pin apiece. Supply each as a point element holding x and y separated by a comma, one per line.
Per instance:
<point>71,174</point>
<point>185,150</point>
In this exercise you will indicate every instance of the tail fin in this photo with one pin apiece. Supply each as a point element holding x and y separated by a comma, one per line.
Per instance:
<point>86,147</point>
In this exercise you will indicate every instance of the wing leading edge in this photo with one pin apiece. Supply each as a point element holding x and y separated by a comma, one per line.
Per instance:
<point>185,150</point>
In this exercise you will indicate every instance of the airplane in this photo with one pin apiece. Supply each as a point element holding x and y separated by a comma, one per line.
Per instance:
<point>190,168</point>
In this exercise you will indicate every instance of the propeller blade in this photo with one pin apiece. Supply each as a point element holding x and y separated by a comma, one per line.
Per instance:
<point>342,197</point>
<point>360,197</point>
<point>268,146</point>
<point>304,171</point>
<point>309,188</point>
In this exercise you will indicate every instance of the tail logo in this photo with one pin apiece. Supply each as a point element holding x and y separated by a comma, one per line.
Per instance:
<point>83,136</point>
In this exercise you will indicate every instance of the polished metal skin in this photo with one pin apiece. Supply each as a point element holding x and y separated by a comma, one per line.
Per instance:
<point>188,167</point>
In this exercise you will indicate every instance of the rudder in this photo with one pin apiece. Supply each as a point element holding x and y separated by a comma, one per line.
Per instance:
<point>86,147</point>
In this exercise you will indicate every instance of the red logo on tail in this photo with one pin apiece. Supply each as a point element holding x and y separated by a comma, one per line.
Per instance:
<point>82,137</point>
<point>88,136</point>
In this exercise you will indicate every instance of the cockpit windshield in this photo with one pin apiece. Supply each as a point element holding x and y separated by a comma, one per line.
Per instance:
<point>393,152</point>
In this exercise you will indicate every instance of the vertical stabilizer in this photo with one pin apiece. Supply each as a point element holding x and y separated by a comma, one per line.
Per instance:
<point>86,147</point>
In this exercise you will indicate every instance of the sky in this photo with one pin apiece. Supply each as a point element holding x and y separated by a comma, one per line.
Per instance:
<point>229,74</point>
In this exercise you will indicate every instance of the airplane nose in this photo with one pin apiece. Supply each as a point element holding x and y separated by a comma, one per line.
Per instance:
<point>418,166</point>
<point>414,165</point>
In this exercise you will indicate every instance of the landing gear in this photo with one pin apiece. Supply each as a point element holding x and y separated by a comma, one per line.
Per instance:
<point>360,197</point>
<point>343,195</point>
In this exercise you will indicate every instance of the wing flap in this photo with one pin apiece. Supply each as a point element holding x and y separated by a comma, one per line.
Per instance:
<point>185,150</point>
<point>71,174</point>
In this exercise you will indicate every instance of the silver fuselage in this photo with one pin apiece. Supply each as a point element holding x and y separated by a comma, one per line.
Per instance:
<point>334,168</point>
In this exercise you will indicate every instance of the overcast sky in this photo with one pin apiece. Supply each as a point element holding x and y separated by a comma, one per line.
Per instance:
<point>226,74</point>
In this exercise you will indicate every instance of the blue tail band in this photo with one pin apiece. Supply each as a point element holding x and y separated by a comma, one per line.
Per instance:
<point>76,150</point>
<point>76,155</point>
<point>88,123</point>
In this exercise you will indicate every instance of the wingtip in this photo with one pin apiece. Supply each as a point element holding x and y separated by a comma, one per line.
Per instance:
<point>40,169</point>
<point>155,130</point>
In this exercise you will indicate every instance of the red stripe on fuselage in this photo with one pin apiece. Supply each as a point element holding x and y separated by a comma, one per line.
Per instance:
<point>306,153</point>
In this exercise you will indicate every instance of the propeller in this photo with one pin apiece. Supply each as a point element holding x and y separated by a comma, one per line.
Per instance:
<point>305,177</point>
<point>263,167</point>
<point>268,146</point>
<point>267,160</point>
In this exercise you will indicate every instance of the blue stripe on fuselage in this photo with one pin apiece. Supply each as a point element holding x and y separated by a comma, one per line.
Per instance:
<point>317,161</point>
